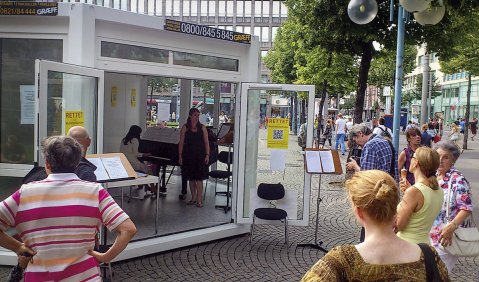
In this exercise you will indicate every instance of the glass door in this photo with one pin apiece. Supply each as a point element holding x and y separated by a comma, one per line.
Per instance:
<point>68,95</point>
<point>269,153</point>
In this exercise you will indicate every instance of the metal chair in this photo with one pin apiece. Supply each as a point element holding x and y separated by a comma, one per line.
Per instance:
<point>226,158</point>
<point>271,192</point>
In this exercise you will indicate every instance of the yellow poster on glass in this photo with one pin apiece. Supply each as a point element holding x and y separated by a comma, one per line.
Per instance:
<point>114,96</point>
<point>133,97</point>
<point>278,133</point>
<point>74,118</point>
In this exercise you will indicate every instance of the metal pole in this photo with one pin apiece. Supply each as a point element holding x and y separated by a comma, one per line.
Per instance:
<point>425,88</point>
<point>398,80</point>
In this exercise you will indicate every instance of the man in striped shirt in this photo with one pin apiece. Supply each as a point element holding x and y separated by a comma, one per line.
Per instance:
<point>58,218</point>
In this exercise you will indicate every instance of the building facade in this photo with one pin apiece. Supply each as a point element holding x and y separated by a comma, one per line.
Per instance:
<point>453,88</point>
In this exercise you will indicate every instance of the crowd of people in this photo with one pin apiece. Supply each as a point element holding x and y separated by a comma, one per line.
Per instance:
<point>405,219</point>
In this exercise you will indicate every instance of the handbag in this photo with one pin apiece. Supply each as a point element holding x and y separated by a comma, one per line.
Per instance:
<point>465,241</point>
<point>437,138</point>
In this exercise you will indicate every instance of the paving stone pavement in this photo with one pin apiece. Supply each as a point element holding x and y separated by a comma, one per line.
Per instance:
<point>268,258</point>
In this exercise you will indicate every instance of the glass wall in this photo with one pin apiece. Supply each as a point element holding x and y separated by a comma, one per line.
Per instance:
<point>17,100</point>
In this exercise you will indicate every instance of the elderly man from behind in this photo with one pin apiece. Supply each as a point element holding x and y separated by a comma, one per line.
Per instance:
<point>58,218</point>
<point>378,153</point>
<point>85,169</point>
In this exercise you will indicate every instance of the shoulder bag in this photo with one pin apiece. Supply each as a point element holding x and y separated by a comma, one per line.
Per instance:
<point>430,260</point>
<point>465,241</point>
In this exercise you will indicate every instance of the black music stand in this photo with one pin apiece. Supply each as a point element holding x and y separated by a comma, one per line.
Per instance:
<point>314,169</point>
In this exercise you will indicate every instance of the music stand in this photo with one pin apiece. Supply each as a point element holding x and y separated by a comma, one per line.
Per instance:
<point>329,163</point>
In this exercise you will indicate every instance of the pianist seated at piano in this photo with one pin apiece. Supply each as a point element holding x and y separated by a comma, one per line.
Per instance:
<point>129,147</point>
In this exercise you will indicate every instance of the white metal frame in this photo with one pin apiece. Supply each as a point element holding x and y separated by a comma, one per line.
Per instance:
<point>41,86</point>
<point>241,115</point>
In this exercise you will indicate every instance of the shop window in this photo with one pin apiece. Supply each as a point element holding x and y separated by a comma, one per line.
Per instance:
<point>194,8</point>
<point>265,12</point>
<point>159,7</point>
<point>229,8</point>
<point>169,8</point>
<point>204,61</point>
<point>276,8</point>
<point>131,52</point>
<point>257,8</point>
<point>176,8</point>
<point>222,8</point>
<point>17,80</point>
<point>212,8</point>
<point>186,8</point>
<point>284,10</point>
<point>247,8</point>
<point>240,9</point>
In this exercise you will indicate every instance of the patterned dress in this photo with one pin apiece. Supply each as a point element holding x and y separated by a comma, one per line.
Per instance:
<point>460,200</point>
<point>344,263</point>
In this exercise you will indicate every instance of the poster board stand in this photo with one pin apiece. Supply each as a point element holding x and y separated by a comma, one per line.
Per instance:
<point>320,161</point>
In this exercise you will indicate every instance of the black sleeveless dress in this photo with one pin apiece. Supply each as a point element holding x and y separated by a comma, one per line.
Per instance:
<point>194,167</point>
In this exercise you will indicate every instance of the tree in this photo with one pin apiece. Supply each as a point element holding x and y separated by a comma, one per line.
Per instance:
<point>329,26</point>
<point>160,84</point>
<point>294,60</point>
<point>207,89</point>
<point>383,66</point>
<point>466,58</point>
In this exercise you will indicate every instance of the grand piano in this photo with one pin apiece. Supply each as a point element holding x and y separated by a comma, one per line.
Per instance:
<point>162,146</point>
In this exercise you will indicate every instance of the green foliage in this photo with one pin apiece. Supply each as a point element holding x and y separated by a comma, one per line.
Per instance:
<point>161,84</point>
<point>341,75</point>
<point>383,66</point>
<point>349,103</point>
<point>207,87</point>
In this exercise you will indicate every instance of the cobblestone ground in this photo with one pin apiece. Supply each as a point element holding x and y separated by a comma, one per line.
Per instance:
<point>268,258</point>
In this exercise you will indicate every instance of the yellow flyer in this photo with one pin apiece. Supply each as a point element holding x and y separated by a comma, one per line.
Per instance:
<point>114,96</point>
<point>278,133</point>
<point>133,98</point>
<point>74,118</point>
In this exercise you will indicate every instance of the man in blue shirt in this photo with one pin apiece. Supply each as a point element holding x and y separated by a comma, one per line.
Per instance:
<point>378,153</point>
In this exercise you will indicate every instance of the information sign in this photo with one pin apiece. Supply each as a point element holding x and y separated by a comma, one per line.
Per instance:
<point>206,31</point>
<point>74,118</point>
<point>10,8</point>
<point>278,133</point>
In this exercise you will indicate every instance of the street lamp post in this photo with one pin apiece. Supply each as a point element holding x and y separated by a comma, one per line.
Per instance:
<point>398,80</point>
<point>364,11</point>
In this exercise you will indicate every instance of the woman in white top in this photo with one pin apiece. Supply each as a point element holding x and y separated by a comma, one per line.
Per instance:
<point>223,117</point>
<point>129,147</point>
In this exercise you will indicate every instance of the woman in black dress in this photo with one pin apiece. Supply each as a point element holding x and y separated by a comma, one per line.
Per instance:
<point>194,153</point>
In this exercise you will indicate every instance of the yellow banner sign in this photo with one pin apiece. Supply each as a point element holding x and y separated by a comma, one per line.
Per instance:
<point>74,118</point>
<point>114,96</point>
<point>278,133</point>
<point>133,98</point>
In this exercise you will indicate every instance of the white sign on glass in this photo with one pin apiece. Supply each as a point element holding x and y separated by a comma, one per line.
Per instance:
<point>27,104</point>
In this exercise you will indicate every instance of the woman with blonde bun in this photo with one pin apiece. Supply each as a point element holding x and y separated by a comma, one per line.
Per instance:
<point>422,201</point>
<point>382,256</point>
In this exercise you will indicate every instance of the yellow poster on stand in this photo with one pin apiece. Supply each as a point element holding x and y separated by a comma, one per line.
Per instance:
<point>114,96</point>
<point>74,118</point>
<point>278,133</point>
<point>133,97</point>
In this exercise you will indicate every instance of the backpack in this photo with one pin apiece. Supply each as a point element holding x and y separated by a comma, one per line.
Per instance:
<point>385,133</point>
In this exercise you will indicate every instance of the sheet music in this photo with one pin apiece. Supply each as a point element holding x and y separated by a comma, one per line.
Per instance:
<point>114,167</point>
<point>313,162</point>
<point>165,135</point>
<point>100,171</point>
<point>327,161</point>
